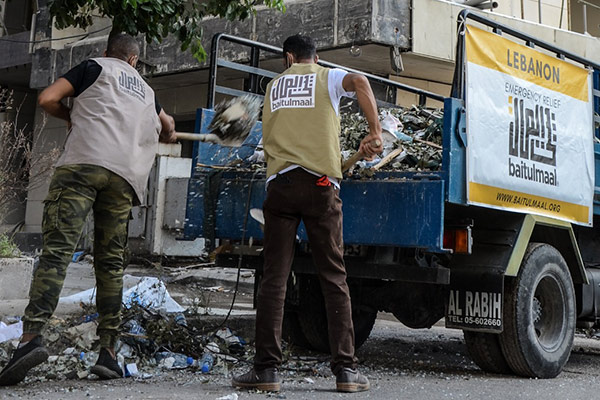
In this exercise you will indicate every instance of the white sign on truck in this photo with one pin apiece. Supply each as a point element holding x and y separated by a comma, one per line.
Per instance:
<point>530,138</point>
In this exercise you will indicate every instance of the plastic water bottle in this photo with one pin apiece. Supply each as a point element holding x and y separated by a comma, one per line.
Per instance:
<point>207,361</point>
<point>191,362</point>
<point>180,320</point>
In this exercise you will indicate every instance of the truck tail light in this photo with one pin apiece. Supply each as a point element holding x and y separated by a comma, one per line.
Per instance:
<point>458,240</point>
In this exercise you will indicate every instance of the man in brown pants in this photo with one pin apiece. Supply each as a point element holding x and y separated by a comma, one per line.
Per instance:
<point>301,128</point>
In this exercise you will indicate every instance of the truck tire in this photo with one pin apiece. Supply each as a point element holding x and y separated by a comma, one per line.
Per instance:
<point>484,349</point>
<point>312,317</point>
<point>539,314</point>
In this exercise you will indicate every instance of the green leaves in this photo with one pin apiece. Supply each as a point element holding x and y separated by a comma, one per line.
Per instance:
<point>156,19</point>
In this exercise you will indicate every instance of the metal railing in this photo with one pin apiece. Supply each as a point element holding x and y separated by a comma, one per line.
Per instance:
<point>254,71</point>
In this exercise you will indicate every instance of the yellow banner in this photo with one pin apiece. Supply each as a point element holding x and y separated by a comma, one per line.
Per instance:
<point>495,52</point>
<point>509,199</point>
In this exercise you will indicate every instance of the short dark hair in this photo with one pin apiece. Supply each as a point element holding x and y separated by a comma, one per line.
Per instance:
<point>300,46</point>
<point>122,46</point>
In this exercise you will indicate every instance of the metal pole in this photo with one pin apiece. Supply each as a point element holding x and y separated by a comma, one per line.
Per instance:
<point>212,71</point>
<point>562,8</point>
<point>522,10</point>
<point>540,11</point>
<point>585,19</point>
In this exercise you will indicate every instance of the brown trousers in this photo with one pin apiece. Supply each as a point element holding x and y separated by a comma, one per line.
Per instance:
<point>292,197</point>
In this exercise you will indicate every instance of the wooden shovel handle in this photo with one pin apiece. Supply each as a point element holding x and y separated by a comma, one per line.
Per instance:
<point>198,137</point>
<point>356,157</point>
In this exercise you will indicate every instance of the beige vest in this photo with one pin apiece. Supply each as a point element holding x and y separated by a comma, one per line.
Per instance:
<point>300,125</point>
<point>115,125</point>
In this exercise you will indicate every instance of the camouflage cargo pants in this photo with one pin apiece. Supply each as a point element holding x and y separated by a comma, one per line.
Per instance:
<point>74,191</point>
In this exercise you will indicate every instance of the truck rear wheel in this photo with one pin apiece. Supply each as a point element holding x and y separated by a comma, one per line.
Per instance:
<point>312,317</point>
<point>539,314</point>
<point>484,349</point>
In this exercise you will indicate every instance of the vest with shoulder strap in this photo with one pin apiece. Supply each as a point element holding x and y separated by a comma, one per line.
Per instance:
<point>115,125</point>
<point>300,125</point>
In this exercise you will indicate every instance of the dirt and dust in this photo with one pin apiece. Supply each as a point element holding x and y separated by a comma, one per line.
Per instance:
<point>400,362</point>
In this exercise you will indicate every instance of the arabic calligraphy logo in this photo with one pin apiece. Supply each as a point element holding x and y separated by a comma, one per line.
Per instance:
<point>293,91</point>
<point>532,134</point>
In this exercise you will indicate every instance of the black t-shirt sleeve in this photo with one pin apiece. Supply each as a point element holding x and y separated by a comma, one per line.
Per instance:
<point>83,76</point>
<point>157,104</point>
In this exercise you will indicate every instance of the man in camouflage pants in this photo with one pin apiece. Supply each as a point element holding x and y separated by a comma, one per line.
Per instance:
<point>115,125</point>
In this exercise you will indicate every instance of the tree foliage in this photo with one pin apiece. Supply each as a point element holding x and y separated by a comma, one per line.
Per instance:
<point>156,19</point>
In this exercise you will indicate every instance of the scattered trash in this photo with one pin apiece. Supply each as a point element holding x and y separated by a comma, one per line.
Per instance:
<point>309,380</point>
<point>10,332</point>
<point>83,335</point>
<point>131,370</point>
<point>152,338</point>
<point>77,256</point>
<point>148,292</point>
<point>232,396</point>
<point>235,344</point>
<point>208,358</point>
<point>89,318</point>
<point>171,360</point>
<point>180,319</point>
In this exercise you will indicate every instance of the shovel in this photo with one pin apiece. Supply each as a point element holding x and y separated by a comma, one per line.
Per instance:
<point>231,124</point>
<point>356,157</point>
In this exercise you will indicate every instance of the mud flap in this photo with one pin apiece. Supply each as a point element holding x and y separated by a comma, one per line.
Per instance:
<point>475,300</point>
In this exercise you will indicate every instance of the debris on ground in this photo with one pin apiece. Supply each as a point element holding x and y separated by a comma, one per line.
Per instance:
<point>152,341</point>
<point>146,291</point>
<point>10,331</point>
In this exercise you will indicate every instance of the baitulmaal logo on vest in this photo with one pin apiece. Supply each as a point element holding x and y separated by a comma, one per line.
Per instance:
<point>132,85</point>
<point>293,91</point>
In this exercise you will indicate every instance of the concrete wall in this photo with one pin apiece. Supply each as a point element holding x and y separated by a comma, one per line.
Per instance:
<point>22,114</point>
<point>331,23</point>
<point>52,136</point>
<point>437,19</point>
<point>529,11</point>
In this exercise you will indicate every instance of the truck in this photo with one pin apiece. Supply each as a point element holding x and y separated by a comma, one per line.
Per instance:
<point>499,243</point>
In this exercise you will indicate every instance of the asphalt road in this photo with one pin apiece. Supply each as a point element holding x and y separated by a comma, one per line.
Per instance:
<point>401,363</point>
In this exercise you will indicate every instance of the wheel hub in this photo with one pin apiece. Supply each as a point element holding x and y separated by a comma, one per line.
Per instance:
<point>548,313</point>
<point>536,310</point>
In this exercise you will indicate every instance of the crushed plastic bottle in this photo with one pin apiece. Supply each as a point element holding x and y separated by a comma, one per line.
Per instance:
<point>235,344</point>
<point>88,359</point>
<point>133,327</point>
<point>172,360</point>
<point>180,319</point>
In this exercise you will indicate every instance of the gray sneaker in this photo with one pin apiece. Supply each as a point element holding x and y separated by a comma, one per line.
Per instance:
<point>266,380</point>
<point>350,380</point>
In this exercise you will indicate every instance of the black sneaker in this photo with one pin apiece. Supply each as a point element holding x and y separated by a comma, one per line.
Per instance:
<point>106,367</point>
<point>266,380</point>
<point>23,359</point>
<point>350,380</point>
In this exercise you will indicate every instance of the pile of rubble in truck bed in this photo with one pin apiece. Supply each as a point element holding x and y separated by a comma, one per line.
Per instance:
<point>412,141</point>
<point>413,136</point>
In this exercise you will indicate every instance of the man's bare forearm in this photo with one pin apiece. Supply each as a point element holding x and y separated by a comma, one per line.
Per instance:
<point>58,110</point>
